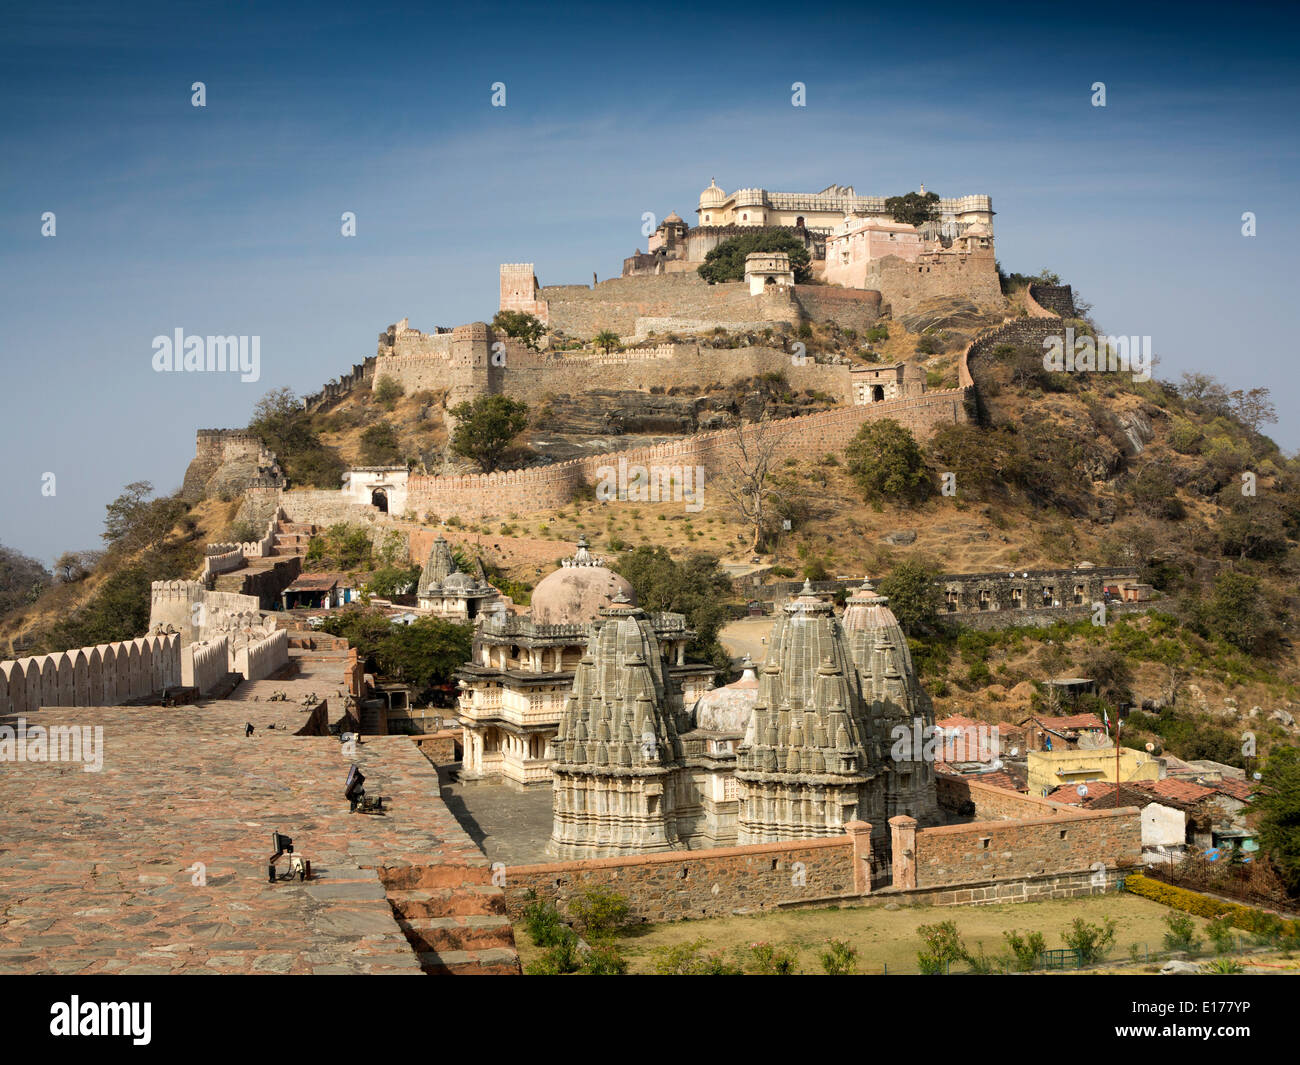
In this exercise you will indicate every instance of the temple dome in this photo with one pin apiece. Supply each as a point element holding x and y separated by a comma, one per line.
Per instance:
<point>728,709</point>
<point>575,593</point>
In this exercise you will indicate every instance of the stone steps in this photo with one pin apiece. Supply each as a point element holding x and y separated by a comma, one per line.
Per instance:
<point>468,900</point>
<point>440,935</point>
<point>453,918</point>
<point>491,962</point>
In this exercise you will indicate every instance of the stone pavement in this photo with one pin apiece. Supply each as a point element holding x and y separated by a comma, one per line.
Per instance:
<point>511,825</point>
<point>158,862</point>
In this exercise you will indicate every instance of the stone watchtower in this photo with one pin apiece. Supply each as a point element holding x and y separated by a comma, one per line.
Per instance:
<point>471,371</point>
<point>899,710</point>
<point>768,270</point>
<point>617,749</point>
<point>807,765</point>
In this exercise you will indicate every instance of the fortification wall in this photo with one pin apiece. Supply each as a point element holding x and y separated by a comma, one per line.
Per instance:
<point>196,613</point>
<point>903,284</point>
<point>618,304</point>
<point>204,664</point>
<point>223,460</point>
<point>531,377</point>
<point>488,495</point>
<point>548,487</point>
<point>362,374</point>
<point>105,675</point>
<point>259,659</point>
<point>847,307</point>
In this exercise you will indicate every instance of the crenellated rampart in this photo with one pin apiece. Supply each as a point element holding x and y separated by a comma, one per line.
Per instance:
<point>104,675</point>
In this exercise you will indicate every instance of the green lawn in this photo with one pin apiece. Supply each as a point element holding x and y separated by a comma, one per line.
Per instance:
<point>887,939</point>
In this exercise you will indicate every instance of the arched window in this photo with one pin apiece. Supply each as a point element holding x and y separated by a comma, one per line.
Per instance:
<point>379,498</point>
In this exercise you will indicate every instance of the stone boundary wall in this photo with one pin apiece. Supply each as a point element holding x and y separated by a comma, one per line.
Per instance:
<point>708,883</point>
<point>1057,852</point>
<point>259,659</point>
<point>992,851</point>
<point>197,613</point>
<point>487,495</point>
<point>105,675</point>
<point>204,664</point>
<point>993,803</point>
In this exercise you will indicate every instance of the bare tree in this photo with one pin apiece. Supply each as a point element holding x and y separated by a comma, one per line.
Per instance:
<point>750,487</point>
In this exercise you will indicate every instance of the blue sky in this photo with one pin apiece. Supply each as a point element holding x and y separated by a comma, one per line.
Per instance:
<point>226,219</point>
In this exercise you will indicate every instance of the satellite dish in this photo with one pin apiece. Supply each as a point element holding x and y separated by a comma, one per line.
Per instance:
<point>1082,789</point>
<point>1257,776</point>
<point>1150,747</point>
<point>1015,751</point>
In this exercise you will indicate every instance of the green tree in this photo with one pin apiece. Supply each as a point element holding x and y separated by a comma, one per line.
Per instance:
<point>694,586</point>
<point>914,208</point>
<point>135,521</point>
<point>1278,804</point>
<point>942,946</point>
<point>425,653</point>
<point>520,325</point>
<point>1238,613</point>
<point>1090,940</point>
<point>886,462</point>
<point>605,339</point>
<point>22,579</point>
<point>387,392</point>
<point>486,428</point>
<point>388,581</point>
<point>726,262</point>
<point>379,446</point>
<point>913,596</point>
<point>282,424</point>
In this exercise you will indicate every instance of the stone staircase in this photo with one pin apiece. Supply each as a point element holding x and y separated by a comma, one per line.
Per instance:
<point>292,538</point>
<point>454,918</point>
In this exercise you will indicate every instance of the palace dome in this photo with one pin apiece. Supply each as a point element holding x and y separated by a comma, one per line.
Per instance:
<point>712,196</point>
<point>575,593</point>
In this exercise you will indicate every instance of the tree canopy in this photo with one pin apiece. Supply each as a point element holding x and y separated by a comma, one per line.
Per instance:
<point>486,428</point>
<point>726,262</point>
<point>887,463</point>
<point>914,208</point>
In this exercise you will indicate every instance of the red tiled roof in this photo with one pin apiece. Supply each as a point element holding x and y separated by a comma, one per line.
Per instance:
<point>958,721</point>
<point>1238,789</point>
<point>1180,790</point>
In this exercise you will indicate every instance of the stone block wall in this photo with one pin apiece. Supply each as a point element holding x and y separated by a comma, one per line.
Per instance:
<point>903,285</point>
<point>259,659</point>
<point>105,675</point>
<point>478,496</point>
<point>198,614</point>
<point>617,304</point>
<point>204,664</point>
<point>988,851</point>
<point>709,883</point>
